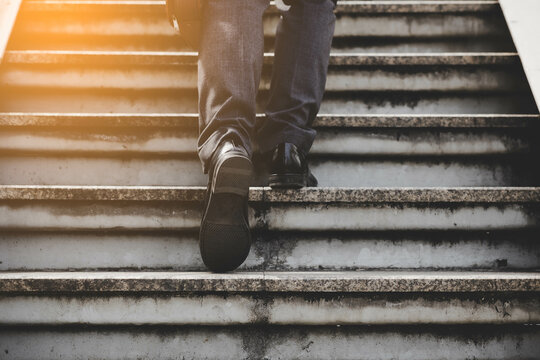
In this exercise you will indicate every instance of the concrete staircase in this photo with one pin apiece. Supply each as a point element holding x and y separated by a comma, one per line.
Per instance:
<point>421,243</point>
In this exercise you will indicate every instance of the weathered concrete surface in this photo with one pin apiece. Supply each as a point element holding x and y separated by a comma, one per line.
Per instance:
<point>304,195</point>
<point>125,168</point>
<point>450,78</point>
<point>335,141</point>
<point>211,310</point>
<point>522,19</point>
<point>40,251</point>
<point>331,209</point>
<point>189,121</point>
<point>305,282</point>
<point>165,305</point>
<point>175,216</point>
<point>53,99</point>
<point>344,7</point>
<point>156,58</point>
<point>272,342</point>
<point>354,19</point>
<point>142,25</point>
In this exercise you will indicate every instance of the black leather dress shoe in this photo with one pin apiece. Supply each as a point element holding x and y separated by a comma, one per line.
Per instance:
<point>225,237</point>
<point>289,168</point>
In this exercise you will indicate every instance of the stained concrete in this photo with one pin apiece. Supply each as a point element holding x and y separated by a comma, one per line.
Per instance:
<point>126,166</point>
<point>347,141</point>
<point>462,303</point>
<point>309,282</point>
<point>156,58</point>
<point>271,251</point>
<point>272,342</point>
<point>189,121</point>
<point>53,99</point>
<point>305,195</point>
<point>341,78</point>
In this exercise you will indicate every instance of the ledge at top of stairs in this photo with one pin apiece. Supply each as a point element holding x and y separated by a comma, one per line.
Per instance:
<point>322,120</point>
<point>345,7</point>
<point>311,195</point>
<point>376,281</point>
<point>190,58</point>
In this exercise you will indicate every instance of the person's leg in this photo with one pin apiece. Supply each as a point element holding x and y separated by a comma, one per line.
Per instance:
<point>230,63</point>
<point>303,42</point>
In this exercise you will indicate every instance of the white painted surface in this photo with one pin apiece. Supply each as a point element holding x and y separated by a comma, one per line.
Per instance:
<point>8,14</point>
<point>523,18</point>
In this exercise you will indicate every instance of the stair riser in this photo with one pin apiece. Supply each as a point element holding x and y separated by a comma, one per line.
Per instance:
<point>497,43</point>
<point>36,251</point>
<point>454,343</point>
<point>346,141</point>
<point>304,309</point>
<point>126,21</point>
<point>131,27</point>
<point>86,215</point>
<point>342,141</point>
<point>50,99</point>
<point>390,78</point>
<point>332,171</point>
<point>363,45</point>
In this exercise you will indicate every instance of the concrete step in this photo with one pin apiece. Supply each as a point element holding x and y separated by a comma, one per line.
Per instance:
<point>64,250</point>
<point>276,298</point>
<point>331,170</point>
<point>102,71</point>
<point>123,58</point>
<point>54,100</point>
<point>485,342</point>
<point>76,100</point>
<point>143,25</point>
<point>364,171</point>
<point>353,135</point>
<point>366,150</point>
<point>189,121</point>
<point>334,121</point>
<point>364,44</point>
<point>330,209</point>
<point>337,134</point>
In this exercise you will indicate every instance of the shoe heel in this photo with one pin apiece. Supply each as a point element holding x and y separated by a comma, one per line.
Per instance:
<point>234,176</point>
<point>287,181</point>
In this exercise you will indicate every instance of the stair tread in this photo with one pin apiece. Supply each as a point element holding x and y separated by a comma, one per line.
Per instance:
<point>351,7</point>
<point>359,281</point>
<point>260,194</point>
<point>190,58</point>
<point>322,120</point>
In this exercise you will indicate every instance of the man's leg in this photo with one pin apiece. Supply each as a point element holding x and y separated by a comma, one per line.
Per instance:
<point>304,38</point>
<point>230,63</point>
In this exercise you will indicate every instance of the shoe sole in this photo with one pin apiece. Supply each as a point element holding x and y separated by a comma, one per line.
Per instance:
<point>225,237</point>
